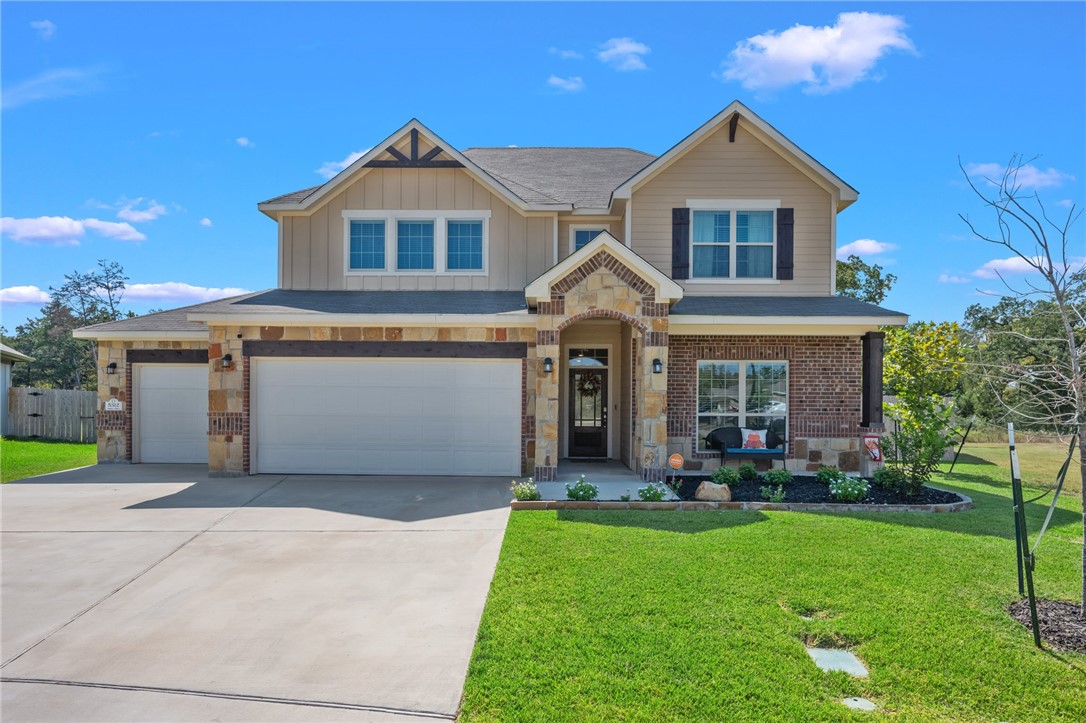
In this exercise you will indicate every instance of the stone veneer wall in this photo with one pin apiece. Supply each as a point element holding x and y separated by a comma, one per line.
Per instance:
<point>824,393</point>
<point>228,392</point>
<point>115,428</point>
<point>604,287</point>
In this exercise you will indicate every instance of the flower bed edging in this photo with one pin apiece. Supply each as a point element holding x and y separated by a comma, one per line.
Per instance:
<point>965,504</point>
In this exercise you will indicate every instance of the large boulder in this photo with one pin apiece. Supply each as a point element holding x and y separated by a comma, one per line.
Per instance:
<point>710,491</point>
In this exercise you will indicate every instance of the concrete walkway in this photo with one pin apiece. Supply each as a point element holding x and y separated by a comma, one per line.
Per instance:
<point>150,592</point>
<point>613,479</point>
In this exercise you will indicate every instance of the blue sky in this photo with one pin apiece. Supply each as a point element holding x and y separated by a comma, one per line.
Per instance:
<point>147,133</point>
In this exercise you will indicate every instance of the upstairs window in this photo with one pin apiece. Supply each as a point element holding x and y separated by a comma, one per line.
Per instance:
<point>733,244</point>
<point>367,249</point>
<point>465,246</point>
<point>415,245</point>
<point>581,236</point>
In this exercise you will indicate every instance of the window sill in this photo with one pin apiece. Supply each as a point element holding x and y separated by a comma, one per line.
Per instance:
<point>737,282</point>
<point>412,272</point>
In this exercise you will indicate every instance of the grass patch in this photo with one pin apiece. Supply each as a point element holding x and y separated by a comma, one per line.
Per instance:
<point>1040,462</point>
<point>20,458</point>
<point>655,616</point>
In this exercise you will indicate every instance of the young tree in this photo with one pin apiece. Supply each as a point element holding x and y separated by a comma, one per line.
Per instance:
<point>1054,384</point>
<point>865,282</point>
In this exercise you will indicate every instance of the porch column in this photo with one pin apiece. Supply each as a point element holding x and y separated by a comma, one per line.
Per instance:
<point>546,403</point>
<point>871,411</point>
<point>652,404</point>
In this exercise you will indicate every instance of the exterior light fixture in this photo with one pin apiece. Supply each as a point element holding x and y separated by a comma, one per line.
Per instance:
<point>657,366</point>
<point>111,368</point>
<point>548,365</point>
<point>227,361</point>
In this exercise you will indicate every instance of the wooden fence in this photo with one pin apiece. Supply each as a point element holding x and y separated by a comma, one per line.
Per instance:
<point>66,414</point>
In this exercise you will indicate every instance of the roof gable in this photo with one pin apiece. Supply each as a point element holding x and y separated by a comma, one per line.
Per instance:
<point>762,130</point>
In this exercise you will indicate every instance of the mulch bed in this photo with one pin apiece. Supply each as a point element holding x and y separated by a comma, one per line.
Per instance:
<point>810,490</point>
<point>1060,624</point>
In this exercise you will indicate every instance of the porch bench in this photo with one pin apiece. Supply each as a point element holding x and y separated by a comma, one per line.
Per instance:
<point>729,440</point>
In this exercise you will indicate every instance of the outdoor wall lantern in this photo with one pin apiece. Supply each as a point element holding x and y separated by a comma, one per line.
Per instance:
<point>548,365</point>
<point>657,366</point>
<point>111,368</point>
<point>227,361</point>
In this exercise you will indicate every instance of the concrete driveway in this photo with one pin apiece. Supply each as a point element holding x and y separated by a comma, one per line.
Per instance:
<point>152,593</point>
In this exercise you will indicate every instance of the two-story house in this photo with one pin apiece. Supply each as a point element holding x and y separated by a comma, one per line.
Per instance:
<point>494,311</point>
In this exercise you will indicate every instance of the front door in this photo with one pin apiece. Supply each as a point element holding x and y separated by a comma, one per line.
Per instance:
<point>587,412</point>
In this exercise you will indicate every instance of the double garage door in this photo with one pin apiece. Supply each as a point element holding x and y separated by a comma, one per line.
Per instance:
<point>383,416</point>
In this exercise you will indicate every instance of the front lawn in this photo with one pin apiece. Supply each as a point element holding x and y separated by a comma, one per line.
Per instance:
<point>699,615</point>
<point>1040,462</point>
<point>21,458</point>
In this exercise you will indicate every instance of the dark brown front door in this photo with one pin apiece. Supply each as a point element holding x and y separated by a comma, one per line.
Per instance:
<point>587,412</point>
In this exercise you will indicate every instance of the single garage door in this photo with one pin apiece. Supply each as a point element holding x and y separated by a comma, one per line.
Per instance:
<point>387,416</point>
<point>171,413</point>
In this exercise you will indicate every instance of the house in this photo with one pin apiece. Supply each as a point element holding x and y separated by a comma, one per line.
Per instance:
<point>494,311</point>
<point>8,358</point>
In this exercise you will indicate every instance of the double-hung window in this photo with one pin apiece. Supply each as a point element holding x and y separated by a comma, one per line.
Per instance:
<point>744,394</point>
<point>367,249</point>
<point>464,243</point>
<point>415,245</point>
<point>733,243</point>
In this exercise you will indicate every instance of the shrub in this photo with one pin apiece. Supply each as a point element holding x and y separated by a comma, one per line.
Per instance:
<point>582,491</point>
<point>654,492</point>
<point>525,491</point>
<point>747,472</point>
<point>826,474</point>
<point>849,489</point>
<point>778,476</point>
<point>891,478</point>
<point>923,433</point>
<point>773,495</point>
<point>625,497</point>
<point>725,476</point>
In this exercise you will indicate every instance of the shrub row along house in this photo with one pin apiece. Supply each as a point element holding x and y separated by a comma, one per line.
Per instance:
<point>494,311</point>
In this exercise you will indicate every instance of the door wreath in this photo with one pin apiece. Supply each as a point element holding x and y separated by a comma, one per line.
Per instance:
<point>588,385</point>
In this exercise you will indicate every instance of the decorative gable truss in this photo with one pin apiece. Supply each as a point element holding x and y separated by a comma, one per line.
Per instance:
<point>407,155</point>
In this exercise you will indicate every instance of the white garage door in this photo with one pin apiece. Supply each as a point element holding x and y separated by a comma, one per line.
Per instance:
<point>382,416</point>
<point>171,416</point>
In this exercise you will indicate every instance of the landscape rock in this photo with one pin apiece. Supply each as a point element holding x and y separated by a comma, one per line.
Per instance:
<point>713,492</point>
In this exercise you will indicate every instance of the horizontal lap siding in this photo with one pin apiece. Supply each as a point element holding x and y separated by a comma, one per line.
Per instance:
<point>747,168</point>
<point>520,247</point>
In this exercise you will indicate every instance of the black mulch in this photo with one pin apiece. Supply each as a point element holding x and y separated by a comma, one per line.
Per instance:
<point>810,490</point>
<point>1060,623</point>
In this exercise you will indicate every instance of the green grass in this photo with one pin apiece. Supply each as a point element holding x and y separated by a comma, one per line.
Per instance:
<point>21,458</point>
<point>655,616</point>
<point>1040,462</point>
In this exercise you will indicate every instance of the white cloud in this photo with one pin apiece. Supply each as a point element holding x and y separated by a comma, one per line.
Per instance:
<point>1028,176</point>
<point>129,212</point>
<point>176,291</point>
<point>329,169</point>
<point>1017,265</point>
<point>50,230</point>
<point>205,222</point>
<point>52,84</point>
<point>572,84</point>
<point>23,295</point>
<point>823,59</point>
<point>45,28</point>
<point>110,229</point>
<point>1065,203</point>
<point>245,142</point>
<point>864,247</point>
<point>624,54</point>
<point>951,279</point>
<point>565,54</point>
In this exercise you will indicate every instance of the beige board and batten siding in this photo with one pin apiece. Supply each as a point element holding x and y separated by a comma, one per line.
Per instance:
<point>520,247</point>
<point>745,169</point>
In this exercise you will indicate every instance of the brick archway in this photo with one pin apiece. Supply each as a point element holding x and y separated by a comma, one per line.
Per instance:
<point>604,314</point>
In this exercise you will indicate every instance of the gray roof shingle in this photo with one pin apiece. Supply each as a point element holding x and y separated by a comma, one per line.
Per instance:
<point>777,306</point>
<point>172,320</point>
<point>295,196</point>
<point>280,301</point>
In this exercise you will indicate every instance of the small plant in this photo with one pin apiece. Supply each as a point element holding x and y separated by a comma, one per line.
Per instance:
<point>526,491</point>
<point>625,497</point>
<point>773,495</point>
<point>778,476</point>
<point>747,473</point>
<point>654,492</point>
<point>849,489</point>
<point>725,476</point>
<point>892,478</point>
<point>827,474</point>
<point>582,491</point>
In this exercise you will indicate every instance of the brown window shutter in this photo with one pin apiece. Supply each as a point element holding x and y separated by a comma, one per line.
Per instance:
<point>785,223</point>
<point>680,243</point>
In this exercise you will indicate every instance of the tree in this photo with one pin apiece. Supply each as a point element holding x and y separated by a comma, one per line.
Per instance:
<point>865,282</point>
<point>1054,384</point>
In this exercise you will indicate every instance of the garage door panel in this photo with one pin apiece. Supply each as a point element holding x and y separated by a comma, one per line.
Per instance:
<point>387,417</point>
<point>171,414</point>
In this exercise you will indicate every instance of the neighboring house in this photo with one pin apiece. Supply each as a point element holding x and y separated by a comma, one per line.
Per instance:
<point>8,358</point>
<point>496,310</point>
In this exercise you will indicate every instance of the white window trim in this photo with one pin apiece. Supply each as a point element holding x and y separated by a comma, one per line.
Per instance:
<point>732,206</point>
<point>440,220</point>
<point>575,227</point>
<point>742,401</point>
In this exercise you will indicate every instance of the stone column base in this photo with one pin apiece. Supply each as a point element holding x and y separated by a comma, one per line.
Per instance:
<point>545,473</point>
<point>225,473</point>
